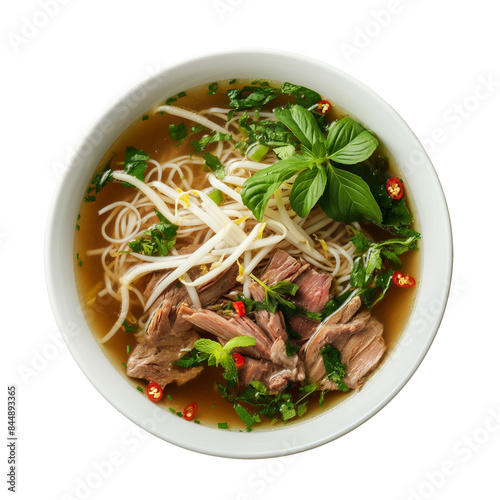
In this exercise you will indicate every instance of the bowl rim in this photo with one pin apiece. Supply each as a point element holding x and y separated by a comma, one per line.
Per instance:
<point>203,439</point>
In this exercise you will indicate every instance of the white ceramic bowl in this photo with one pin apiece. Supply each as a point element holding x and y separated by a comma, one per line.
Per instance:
<point>435,249</point>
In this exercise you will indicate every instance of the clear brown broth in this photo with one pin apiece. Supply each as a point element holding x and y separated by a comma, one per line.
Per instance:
<point>152,136</point>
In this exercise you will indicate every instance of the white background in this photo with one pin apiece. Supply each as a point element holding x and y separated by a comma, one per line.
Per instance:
<point>436,63</point>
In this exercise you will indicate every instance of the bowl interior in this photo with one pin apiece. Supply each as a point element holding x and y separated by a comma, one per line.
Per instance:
<point>430,301</point>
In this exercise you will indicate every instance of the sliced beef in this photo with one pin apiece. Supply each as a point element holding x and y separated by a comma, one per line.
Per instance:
<point>314,290</point>
<point>272,323</point>
<point>282,267</point>
<point>166,318</point>
<point>357,337</point>
<point>227,327</point>
<point>312,295</point>
<point>274,377</point>
<point>152,360</point>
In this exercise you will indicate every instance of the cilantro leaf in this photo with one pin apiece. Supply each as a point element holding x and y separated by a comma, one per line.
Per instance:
<point>335,369</point>
<point>100,180</point>
<point>214,165</point>
<point>200,145</point>
<point>177,132</point>
<point>303,96</point>
<point>135,163</point>
<point>251,97</point>
<point>161,238</point>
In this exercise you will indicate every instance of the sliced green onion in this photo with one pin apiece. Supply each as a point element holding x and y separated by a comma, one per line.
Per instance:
<point>217,196</point>
<point>140,389</point>
<point>222,425</point>
<point>256,151</point>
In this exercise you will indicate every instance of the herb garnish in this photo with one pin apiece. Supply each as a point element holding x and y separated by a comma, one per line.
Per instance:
<point>100,180</point>
<point>342,195</point>
<point>335,369</point>
<point>135,163</point>
<point>161,238</point>
<point>200,145</point>
<point>214,165</point>
<point>214,354</point>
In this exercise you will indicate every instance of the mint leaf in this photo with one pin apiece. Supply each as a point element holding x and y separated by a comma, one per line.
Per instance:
<point>347,198</point>
<point>335,369</point>
<point>214,165</point>
<point>219,355</point>
<point>307,189</point>
<point>301,123</point>
<point>258,188</point>
<point>243,341</point>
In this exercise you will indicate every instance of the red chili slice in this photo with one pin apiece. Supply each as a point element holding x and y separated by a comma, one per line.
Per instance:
<point>190,411</point>
<point>323,107</point>
<point>394,187</point>
<point>238,359</point>
<point>155,392</point>
<point>403,280</point>
<point>239,307</point>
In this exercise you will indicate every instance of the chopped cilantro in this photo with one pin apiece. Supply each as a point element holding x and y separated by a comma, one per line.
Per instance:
<point>199,146</point>
<point>232,82</point>
<point>214,165</point>
<point>100,180</point>
<point>177,132</point>
<point>135,163</point>
<point>212,88</point>
<point>335,369</point>
<point>145,117</point>
<point>179,414</point>
<point>181,94</point>
<point>161,238</point>
<point>196,421</point>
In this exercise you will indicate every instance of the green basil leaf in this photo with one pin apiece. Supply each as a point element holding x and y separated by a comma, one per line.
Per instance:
<point>341,133</point>
<point>301,123</point>
<point>257,189</point>
<point>357,150</point>
<point>347,198</point>
<point>307,190</point>
<point>349,143</point>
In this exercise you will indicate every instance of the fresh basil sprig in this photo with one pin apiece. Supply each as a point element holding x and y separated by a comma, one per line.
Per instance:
<point>343,196</point>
